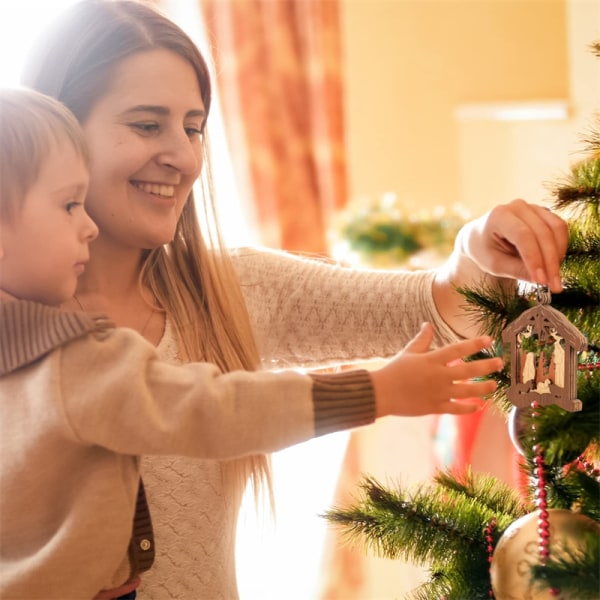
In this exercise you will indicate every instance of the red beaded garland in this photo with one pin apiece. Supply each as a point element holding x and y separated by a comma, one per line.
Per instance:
<point>490,548</point>
<point>541,502</point>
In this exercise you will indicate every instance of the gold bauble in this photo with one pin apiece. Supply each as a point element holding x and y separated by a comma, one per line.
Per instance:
<point>518,550</point>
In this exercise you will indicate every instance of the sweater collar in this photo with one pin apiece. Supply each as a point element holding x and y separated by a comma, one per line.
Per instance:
<point>29,331</point>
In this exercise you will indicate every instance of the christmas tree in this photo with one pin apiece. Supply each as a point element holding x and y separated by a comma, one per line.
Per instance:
<point>478,537</point>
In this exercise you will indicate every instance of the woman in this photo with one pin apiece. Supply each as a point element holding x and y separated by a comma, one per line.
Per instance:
<point>142,92</point>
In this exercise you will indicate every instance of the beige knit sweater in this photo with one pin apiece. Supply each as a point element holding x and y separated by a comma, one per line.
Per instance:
<point>80,400</point>
<point>305,313</point>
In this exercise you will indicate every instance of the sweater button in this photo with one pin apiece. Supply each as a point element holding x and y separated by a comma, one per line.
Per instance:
<point>145,544</point>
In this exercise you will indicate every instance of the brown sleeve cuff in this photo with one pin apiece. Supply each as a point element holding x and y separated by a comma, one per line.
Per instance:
<point>342,401</point>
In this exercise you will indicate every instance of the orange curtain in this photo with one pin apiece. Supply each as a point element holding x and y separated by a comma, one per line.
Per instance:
<point>279,78</point>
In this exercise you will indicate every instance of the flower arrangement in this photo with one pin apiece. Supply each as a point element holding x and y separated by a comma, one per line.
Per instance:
<point>383,233</point>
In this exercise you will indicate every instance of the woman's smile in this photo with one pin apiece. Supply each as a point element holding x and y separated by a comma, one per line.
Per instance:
<point>160,190</point>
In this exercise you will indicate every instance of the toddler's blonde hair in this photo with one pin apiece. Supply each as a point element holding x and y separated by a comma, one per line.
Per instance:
<point>31,126</point>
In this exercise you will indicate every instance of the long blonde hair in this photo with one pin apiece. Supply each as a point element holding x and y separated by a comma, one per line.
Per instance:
<point>193,281</point>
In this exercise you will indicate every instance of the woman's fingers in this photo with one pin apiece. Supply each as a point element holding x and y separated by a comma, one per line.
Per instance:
<point>554,252</point>
<point>521,241</point>
<point>539,239</point>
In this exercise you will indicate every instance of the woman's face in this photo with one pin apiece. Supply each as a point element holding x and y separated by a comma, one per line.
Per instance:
<point>145,142</point>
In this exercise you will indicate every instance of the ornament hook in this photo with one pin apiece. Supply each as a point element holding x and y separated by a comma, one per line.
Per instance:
<point>543,294</point>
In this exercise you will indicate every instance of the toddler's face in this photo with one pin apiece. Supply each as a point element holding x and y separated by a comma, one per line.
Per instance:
<point>46,248</point>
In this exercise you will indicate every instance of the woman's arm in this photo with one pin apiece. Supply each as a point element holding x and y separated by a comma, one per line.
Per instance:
<point>312,313</point>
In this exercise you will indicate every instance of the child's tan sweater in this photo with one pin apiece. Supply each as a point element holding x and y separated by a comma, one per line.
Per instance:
<point>81,400</point>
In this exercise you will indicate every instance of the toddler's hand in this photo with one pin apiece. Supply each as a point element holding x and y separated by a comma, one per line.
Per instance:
<point>114,593</point>
<point>420,382</point>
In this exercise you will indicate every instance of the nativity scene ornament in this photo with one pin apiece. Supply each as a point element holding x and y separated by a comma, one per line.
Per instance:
<point>543,346</point>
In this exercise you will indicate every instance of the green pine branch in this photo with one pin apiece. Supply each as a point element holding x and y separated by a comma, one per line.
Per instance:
<point>493,307</point>
<point>488,491</point>
<point>441,526</point>
<point>566,435</point>
<point>575,488</point>
<point>591,140</point>
<point>581,186</point>
<point>584,240</point>
<point>575,572</point>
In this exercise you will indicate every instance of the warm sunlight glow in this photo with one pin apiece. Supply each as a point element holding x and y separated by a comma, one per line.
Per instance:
<point>20,22</point>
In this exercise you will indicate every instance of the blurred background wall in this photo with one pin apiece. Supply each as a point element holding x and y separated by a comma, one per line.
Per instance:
<point>468,101</point>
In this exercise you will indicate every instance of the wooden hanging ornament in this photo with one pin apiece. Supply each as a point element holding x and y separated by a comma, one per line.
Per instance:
<point>543,345</point>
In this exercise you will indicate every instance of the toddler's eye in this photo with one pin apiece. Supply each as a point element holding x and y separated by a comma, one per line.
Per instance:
<point>70,206</point>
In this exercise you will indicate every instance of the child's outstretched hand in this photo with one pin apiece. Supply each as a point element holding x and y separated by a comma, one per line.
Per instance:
<point>420,382</point>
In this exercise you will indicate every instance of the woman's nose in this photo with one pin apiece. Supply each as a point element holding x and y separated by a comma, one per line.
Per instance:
<point>182,154</point>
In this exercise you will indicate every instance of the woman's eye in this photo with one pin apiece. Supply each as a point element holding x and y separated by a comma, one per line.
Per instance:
<point>194,132</point>
<point>145,127</point>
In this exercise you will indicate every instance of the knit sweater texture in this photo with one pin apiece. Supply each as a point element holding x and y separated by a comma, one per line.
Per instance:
<point>81,400</point>
<point>306,313</point>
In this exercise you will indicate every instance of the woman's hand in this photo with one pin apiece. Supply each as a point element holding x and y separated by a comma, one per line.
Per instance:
<point>127,587</point>
<point>420,382</point>
<point>517,240</point>
<point>512,241</point>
